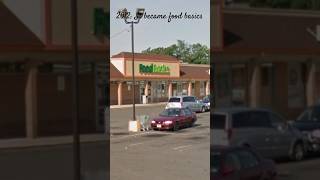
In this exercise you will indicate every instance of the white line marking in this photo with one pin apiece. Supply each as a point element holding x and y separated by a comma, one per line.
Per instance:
<point>135,144</point>
<point>181,147</point>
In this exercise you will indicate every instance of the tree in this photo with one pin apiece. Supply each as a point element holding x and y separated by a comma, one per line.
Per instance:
<point>193,54</point>
<point>287,4</point>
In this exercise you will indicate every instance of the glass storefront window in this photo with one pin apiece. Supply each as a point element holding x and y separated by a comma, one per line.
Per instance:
<point>239,83</point>
<point>296,94</point>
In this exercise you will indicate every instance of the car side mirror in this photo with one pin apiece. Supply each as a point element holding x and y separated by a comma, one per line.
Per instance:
<point>290,122</point>
<point>227,170</point>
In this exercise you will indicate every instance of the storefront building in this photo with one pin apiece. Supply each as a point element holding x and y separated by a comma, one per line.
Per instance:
<point>157,77</point>
<point>36,67</point>
<point>266,63</point>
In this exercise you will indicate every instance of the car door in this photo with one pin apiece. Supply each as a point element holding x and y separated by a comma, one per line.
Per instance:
<point>188,114</point>
<point>186,102</point>
<point>250,169</point>
<point>262,134</point>
<point>231,160</point>
<point>282,137</point>
<point>183,118</point>
<point>194,104</point>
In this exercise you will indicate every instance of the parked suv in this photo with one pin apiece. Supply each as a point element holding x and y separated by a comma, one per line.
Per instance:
<point>263,130</point>
<point>186,102</point>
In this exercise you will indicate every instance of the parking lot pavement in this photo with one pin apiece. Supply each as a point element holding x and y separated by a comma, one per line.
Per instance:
<point>305,170</point>
<point>119,117</point>
<point>54,162</point>
<point>158,155</point>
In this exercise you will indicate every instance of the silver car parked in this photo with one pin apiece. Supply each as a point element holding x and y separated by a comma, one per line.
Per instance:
<point>263,130</point>
<point>187,102</point>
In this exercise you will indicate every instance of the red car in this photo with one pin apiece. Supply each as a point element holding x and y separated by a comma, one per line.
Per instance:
<point>239,163</point>
<point>174,119</point>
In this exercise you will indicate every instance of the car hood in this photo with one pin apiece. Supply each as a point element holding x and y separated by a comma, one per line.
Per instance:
<point>164,118</point>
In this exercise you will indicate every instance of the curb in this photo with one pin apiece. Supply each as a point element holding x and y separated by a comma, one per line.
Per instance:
<point>49,141</point>
<point>137,105</point>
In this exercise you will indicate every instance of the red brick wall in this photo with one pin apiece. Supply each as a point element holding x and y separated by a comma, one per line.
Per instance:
<point>12,106</point>
<point>55,107</point>
<point>127,95</point>
<point>281,89</point>
<point>113,94</point>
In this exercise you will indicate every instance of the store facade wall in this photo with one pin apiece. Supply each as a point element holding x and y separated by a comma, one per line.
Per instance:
<point>157,77</point>
<point>12,106</point>
<point>280,86</point>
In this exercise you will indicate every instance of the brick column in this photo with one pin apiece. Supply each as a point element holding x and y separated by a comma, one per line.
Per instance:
<point>31,101</point>
<point>207,88</point>
<point>255,86</point>
<point>189,88</point>
<point>311,84</point>
<point>120,93</point>
<point>146,89</point>
<point>169,89</point>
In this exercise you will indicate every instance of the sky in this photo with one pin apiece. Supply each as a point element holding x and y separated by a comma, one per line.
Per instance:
<point>159,32</point>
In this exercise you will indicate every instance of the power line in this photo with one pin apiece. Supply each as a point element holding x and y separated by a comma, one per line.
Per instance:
<point>126,29</point>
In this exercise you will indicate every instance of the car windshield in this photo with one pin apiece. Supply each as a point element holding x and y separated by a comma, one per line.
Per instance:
<point>215,162</point>
<point>174,100</point>
<point>170,112</point>
<point>189,99</point>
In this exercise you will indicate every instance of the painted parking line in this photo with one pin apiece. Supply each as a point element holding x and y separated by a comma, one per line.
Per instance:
<point>144,134</point>
<point>135,144</point>
<point>182,148</point>
<point>132,145</point>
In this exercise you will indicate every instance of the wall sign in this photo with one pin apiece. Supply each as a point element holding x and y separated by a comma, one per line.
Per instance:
<point>101,21</point>
<point>153,68</point>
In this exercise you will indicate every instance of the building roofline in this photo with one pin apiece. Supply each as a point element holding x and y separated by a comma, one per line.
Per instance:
<point>274,12</point>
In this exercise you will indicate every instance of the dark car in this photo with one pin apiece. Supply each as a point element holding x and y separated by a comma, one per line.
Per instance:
<point>309,123</point>
<point>174,119</point>
<point>239,163</point>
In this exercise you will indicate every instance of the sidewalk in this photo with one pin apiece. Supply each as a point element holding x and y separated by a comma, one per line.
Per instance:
<point>49,141</point>
<point>137,105</point>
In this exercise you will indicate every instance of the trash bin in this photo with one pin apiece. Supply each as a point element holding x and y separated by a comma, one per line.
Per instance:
<point>144,121</point>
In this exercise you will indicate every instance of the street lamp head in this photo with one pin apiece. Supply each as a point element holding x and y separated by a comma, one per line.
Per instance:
<point>140,13</point>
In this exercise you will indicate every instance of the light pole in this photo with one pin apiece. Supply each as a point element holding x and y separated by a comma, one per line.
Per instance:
<point>139,15</point>
<point>75,90</point>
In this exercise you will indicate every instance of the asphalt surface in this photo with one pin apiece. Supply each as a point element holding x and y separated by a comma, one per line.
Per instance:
<point>54,162</point>
<point>158,155</point>
<point>308,169</point>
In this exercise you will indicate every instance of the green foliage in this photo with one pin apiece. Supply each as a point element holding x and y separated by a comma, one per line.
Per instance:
<point>193,54</point>
<point>288,4</point>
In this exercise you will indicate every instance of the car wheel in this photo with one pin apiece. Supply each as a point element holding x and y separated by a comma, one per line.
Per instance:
<point>176,127</point>
<point>297,152</point>
<point>203,109</point>
<point>192,123</point>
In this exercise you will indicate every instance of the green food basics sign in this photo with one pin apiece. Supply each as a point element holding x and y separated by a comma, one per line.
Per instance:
<point>153,68</point>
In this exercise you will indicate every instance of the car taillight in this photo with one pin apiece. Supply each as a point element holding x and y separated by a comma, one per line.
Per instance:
<point>229,133</point>
<point>153,122</point>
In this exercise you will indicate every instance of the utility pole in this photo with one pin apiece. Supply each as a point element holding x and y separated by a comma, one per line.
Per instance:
<point>75,90</point>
